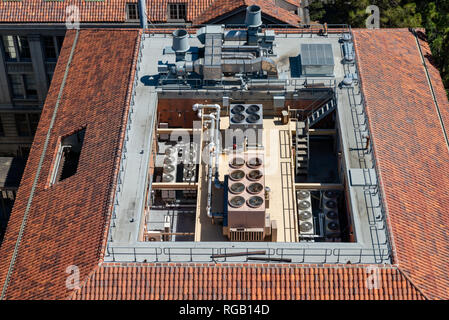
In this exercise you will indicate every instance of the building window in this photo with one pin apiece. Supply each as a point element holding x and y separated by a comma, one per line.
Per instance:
<point>23,86</point>
<point>16,48</point>
<point>132,12</point>
<point>30,86</point>
<point>49,77</point>
<point>59,41</point>
<point>26,124</point>
<point>2,131</point>
<point>24,48</point>
<point>49,48</point>
<point>17,86</point>
<point>10,48</point>
<point>177,11</point>
<point>68,156</point>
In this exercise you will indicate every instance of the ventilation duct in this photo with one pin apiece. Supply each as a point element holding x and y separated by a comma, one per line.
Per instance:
<point>253,16</point>
<point>180,43</point>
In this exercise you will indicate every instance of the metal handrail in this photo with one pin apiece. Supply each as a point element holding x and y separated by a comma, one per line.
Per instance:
<point>203,254</point>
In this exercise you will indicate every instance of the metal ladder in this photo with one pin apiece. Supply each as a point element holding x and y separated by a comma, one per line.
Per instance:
<point>302,148</point>
<point>321,112</point>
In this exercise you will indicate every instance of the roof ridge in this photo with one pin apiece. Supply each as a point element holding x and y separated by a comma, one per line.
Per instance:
<point>402,272</point>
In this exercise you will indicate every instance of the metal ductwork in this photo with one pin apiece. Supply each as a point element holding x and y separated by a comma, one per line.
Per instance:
<point>253,16</point>
<point>180,43</point>
<point>240,60</point>
<point>143,14</point>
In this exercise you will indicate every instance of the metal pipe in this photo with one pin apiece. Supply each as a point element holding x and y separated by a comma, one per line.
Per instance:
<point>237,254</point>
<point>214,146</point>
<point>143,14</point>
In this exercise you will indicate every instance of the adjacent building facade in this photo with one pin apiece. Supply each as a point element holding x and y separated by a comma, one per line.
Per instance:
<point>32,34</point>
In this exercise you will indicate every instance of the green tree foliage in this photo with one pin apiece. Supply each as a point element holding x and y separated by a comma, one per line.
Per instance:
<point>432,15</point>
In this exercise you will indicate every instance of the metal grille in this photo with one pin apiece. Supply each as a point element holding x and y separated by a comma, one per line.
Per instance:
<point>246,235</point>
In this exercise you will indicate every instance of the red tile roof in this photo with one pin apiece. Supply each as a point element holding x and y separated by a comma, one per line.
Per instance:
<point>243,282</point>
<point>221,7</point>
<point>411,152</point>
<point>114,10</point>
<point>67,222</point>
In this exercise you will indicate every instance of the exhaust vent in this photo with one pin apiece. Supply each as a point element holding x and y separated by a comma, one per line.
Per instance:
<point>253,17</point>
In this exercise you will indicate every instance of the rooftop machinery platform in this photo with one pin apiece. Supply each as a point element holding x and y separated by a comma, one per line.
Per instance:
<point>318,201</point>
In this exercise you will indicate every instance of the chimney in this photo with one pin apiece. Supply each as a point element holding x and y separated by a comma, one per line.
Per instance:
<point>143,14</point>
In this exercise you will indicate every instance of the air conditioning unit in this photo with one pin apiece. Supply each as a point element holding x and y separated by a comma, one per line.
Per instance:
<point>305,217</point>
<point>330,210</point>
<point>153,236</point>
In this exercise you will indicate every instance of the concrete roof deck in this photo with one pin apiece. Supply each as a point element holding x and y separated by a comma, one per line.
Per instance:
<point>370,248</point>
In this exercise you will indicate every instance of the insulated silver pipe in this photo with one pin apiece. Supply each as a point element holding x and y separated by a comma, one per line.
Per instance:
<point>214,145</point>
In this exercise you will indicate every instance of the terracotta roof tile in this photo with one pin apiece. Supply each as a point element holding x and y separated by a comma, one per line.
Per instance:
<point>115,10</point>
<point>411,152</point>
<point>295,282</point>
<point>95,96</point>
<point>220,7</point>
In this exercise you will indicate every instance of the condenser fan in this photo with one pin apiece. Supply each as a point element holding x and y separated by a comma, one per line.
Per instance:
<point>237,162</point>
<point>255,187</point>
<point>303,205</point>
<point>305,215</point>
<point>169,167</point>
<point>330,194</point>
<point>170,151</point>
<point>331,204</point>
<point>253,118</point>
<point>167,177</point>
<point>305,226</point>
<point>331,215</point>
<point>254,108</point>
<point>254,175</point>
<point>255,201</point>
<point>332,226</point>
<point>237,188</point>
<point>237,109</point>
<point>169,160</point>
<point>303,194</point>
<point>254,162</point>
<point>237,118</point>
<point>237,175</point>
<point>236,201</point>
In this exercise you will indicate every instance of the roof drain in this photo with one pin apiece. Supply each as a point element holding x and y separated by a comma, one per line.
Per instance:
<point>413,31</point>
<point>39,167</point>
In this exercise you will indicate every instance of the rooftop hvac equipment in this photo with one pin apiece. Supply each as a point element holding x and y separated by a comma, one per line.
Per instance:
<point>246,116</point>
<point>237,201</point>
<point>254,175</point>
<point>254,163</point>
<point>254,201</point>
<point>305,217</point>
<point>180,44</point>
<point>246,193</point>
<point>237,162</point>
<point>167,177</point>
<point>317,59</point>
<point>153,236</point>
<point>237,175</point>
<point>254,188</point>
<point>253,17</point>
<point>237,188</point>
<point>330,210</point>
<point>348,51</point>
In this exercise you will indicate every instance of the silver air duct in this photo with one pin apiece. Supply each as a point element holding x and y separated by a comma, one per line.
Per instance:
<point>180,43</point>
<point>143,14</point>
<point>253,16</point>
